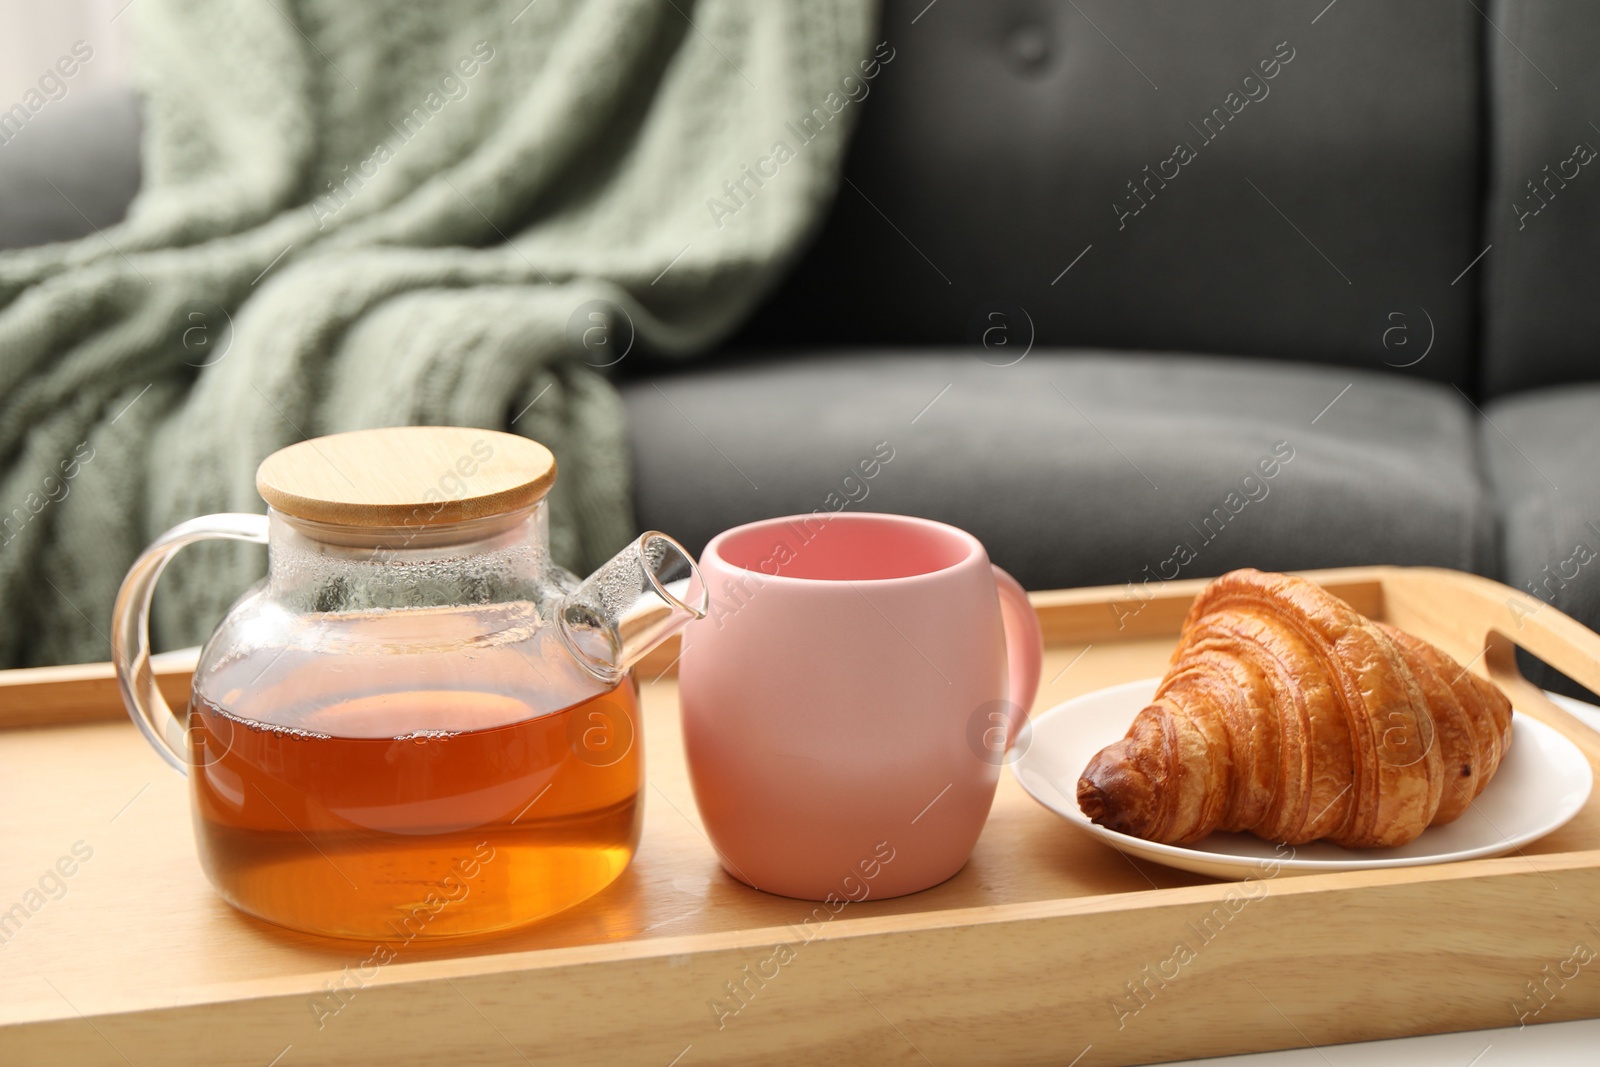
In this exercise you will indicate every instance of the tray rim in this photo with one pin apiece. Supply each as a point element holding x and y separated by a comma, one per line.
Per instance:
<point>1337,884</point>
<point>87,692</point>
<point>1476,611</point>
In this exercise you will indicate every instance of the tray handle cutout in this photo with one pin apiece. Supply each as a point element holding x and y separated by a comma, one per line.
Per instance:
<point>1478,620</point>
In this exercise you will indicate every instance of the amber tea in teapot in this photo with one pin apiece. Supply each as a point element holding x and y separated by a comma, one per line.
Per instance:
<point>412,728</point>
<point>545,802</point>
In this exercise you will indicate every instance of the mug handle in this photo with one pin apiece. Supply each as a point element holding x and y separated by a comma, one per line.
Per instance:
<point>130,627</point>
<point>1024,647</point>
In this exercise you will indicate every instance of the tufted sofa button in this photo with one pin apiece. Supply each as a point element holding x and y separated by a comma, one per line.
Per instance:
<point>1028,47</point>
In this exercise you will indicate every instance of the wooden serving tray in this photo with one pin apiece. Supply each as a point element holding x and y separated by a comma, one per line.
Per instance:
<point>1030,955</point>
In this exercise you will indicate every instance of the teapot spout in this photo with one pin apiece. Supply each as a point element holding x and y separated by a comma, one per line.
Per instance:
<point>639,598</point>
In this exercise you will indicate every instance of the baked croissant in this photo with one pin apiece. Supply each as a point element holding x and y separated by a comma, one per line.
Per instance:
<point>1289,714</point>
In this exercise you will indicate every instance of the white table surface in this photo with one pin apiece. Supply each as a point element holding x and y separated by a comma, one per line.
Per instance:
<point>1546,1045</point>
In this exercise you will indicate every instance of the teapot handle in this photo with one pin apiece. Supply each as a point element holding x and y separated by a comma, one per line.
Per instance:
<point>1024,648</point>
<point>130,627</point>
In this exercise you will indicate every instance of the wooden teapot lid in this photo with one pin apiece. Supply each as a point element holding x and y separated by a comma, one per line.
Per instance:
<point>406,476</point>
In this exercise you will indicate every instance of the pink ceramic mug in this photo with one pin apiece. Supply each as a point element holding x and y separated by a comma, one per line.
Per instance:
<point>848,700</point>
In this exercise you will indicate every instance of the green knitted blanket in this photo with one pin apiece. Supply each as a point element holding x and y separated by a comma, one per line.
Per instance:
<point>387,212</point>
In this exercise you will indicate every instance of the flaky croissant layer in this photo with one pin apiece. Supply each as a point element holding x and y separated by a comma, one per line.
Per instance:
<point>1288,714</point>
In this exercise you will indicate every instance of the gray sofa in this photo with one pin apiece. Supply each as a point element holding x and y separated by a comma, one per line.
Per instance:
<point>1089,345</point>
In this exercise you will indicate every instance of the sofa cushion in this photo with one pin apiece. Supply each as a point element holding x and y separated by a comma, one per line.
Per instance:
<point>1075,468</point>
<point>1540,450</point>
<point>1005,138</point>
<point>1540,320</point>
<point>85,146</point>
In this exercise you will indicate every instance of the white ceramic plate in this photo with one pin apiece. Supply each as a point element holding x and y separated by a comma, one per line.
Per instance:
<point>1543,782</point>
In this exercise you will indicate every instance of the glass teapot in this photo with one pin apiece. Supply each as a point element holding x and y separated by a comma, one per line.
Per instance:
<point>417,725</point>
